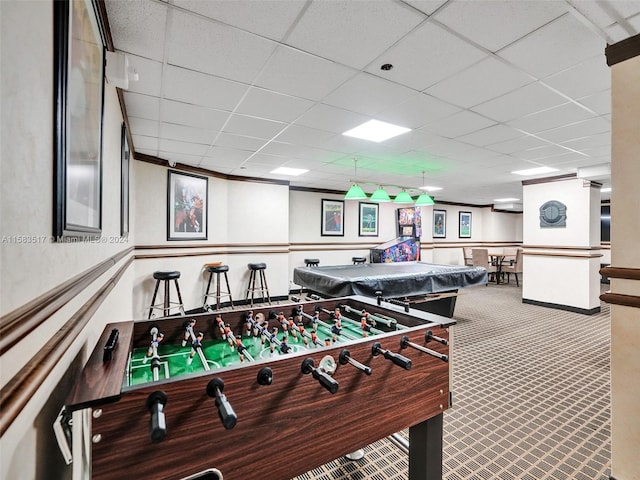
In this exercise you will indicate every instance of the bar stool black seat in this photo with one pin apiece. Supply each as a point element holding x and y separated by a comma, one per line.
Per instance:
<point>358,260</point>
<point>251,287</point>
<point>311,262</point>
<point>217,270</point>
<point>167,305</point>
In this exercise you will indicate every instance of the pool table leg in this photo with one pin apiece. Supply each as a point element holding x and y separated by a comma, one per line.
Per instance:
<point>425,450</point>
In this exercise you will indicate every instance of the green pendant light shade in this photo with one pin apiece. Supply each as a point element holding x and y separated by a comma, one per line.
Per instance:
<point>424,200</point>
<point>380,196</point>
<point>355,193</point>
<point>403,197</point>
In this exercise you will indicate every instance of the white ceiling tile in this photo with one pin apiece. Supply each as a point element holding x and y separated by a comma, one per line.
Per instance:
<point>182,147</point>
<point>483,81</point>
<point>227,156</point>
<point>263,159</point>
<point>419,64</point>
<point>524,101</point>
<point>239,142</point>
<point>332,119</point>
<point>150,76</point>
<point>539,153</point>
<point>459,124</point>
<point>142,106</point>
<point>143,126</point>
<point>427,6</point>
<point>563,159</point>
<point>193,115</point>
<point>201,89</point>
<point>347,145</point>
<point>301,74</point>
<point>252,126</point>
<point>270,19</point>
<point>551,118</point>
<point>592,126</point>
<point>199,44</point>
<point>125,19</point>
<point>304,135</point>
<point>616,33</point>
<point>604,13</point>
<point>172,131</point>
<point>368,28</point>
<point>586,78</point>
<point>489,135</point>
<point>272,105</point>
<point>145,143</point>
<point>181,158</point>
<point>570,41</point>
<point>367,94</point>
<point>599,102</point>
<point>416,111</point>
<point>517,144</point>
<point>495,24</point>
<point>597,140</point>
<point>292,151</point>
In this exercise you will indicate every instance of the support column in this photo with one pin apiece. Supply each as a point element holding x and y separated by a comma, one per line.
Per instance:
<point>624,59</point>
<point>561,242</point>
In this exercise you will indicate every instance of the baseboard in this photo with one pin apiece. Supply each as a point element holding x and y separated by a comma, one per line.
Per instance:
<point>558,306</point>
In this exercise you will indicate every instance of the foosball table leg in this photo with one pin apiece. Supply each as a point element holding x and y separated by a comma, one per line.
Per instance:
<point>425,449</point>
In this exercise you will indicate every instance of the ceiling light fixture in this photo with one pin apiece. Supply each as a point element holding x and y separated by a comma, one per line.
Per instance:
<point>380,196</point>
<point>535,171</point>
<point>505,200</point>
<point>376,131</point>
<point>294,172</point>
<point>355,192</point>
<point>403,197</point>
<point>424,200</point>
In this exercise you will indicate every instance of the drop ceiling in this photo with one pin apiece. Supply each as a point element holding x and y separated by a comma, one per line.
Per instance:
<point>242,87</point>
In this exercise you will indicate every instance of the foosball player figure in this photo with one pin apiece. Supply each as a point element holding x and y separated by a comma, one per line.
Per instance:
<point>248,323</point>
<point>188,331</point>
<point>365,327</point>
<point>154,345</point>
<point>301,330</point>
<point>314,321</point>
<point>337,315</point>
<point>272,339</point>
<point>264,332</point>
<point>336,329</point>
<point>314,337</point>
<point>220,324</point>
<point>283,321</point>
<point>292,328</point>
<point>195,345</point>
<point>327,342</point>
<point>241,349</point>
<point>284,346</point>
<point>227,335</point>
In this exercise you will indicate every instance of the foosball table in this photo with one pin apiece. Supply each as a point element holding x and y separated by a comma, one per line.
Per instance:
<point>267,392</point>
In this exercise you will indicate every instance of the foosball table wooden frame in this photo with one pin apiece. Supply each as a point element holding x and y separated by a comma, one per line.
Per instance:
<point>284,428</point>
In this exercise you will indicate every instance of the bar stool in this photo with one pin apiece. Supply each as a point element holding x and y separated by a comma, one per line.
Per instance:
<point>311,262</point>
<point>359,260</point>
<point>217,270</point>
<point>167,304</point>
<point>251,288</point>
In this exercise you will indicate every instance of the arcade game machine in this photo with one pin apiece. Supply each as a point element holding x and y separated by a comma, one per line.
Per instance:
<point>406,247</point>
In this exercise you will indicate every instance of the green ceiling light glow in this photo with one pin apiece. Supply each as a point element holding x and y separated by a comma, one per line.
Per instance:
<point>403,197</point>
<point>355,192</point>
<point>424,200</point>
<point>380,196</point>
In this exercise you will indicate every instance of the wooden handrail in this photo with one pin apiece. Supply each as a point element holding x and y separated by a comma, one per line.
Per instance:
<point>621,272</point>
<point>621,299</point>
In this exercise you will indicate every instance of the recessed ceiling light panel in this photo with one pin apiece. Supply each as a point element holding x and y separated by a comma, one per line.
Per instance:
<point>294,172</point>
<point>376,131</point>
<point>535,171</point>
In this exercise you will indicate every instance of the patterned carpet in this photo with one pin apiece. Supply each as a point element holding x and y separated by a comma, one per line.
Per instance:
<point>531,395</point>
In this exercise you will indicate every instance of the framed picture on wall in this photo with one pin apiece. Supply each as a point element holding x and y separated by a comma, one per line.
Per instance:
<point>464,221</point>
<point>124,183</point>
<point>439,224</point>
<point>78,103</point>
<point>368,224</point>
<point>332,216</point>
<point>186,206</point>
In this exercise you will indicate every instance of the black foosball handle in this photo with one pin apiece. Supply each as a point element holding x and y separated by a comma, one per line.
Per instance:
<point>396,358</point>
<point>265,376</point>
<point>110,345</point>
<point>158,425</point>
<point>225,410</point>
<point>345,357</point>
<point>430,336</point>
<point>323,379</point>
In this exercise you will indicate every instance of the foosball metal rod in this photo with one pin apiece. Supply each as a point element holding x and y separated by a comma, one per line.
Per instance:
<point>404,343</point>
<point>378,319</point>
<point>155,359</point>
<point>323,378</point>
<point>203,359</point>
<point>326,325</point>
<point>345,357</point>
<point>309,317</point>
<point>396,358</point>
<point>227,416</point>
<point>430,336</point>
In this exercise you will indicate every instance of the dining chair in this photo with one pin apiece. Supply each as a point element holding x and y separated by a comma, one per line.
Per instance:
<point>468,256</point>
<point>480,258</point>
<point>514,268</point>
